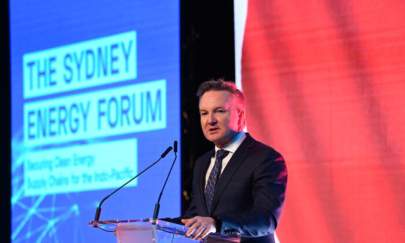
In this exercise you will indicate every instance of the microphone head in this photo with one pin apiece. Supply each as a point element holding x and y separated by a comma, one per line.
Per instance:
<point>175,146</point>
<point>166,152</point>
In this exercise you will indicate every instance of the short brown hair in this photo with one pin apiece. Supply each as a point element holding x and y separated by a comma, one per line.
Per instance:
<point>220,85</point>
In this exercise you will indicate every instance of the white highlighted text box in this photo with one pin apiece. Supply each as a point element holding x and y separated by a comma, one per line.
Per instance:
<point>80,65</point>
<point>80,168</point>
<point>116,111</point>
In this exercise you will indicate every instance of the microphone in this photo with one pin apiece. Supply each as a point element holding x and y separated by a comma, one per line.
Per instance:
<point>175,146</point>
<point>157,205</point>
<point>98,210</point>
<point>166,152</point>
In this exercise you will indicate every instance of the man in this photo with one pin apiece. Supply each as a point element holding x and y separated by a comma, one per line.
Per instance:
<point>239,187</point>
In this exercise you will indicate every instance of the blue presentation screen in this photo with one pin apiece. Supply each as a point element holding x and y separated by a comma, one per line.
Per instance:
<point>95,99</point>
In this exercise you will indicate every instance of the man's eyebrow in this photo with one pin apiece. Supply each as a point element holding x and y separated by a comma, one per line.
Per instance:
<point>215,108</point>
<point>221,107</point>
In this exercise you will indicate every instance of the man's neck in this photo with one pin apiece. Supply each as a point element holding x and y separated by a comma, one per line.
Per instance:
<point>236,136</point>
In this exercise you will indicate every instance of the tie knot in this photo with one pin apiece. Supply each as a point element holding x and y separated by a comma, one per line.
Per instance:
<point>221,154</point>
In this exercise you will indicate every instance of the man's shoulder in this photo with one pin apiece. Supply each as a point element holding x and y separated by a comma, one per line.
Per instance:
<point>258,148</point>
<point>265,156</point>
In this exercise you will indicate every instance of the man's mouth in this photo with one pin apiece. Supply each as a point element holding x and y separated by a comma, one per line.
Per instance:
<point>213,129</point>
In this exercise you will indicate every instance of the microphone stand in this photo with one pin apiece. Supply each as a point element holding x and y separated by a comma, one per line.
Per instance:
<point>157,205</point>
<point>98,210</point>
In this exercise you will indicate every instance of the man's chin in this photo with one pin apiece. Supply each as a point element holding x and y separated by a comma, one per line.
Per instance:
<point>219,142</point>
<point>214,138</point>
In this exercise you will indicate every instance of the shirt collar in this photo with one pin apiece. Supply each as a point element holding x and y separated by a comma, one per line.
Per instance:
<point>234,144</point>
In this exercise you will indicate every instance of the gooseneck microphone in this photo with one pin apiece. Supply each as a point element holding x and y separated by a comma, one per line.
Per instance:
<point>175,146</point>
<point>157,205</point>
<point>98,210</point>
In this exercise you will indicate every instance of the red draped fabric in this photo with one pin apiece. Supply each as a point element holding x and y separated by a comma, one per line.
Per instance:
<point>325,86</point>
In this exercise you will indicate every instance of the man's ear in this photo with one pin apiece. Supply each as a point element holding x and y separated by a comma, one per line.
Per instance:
<point>241,119</point>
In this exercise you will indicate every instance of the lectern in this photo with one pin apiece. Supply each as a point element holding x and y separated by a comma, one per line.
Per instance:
<point>144,231</point>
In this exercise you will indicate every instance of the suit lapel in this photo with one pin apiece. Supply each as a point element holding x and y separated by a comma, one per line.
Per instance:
<point>236,161</point>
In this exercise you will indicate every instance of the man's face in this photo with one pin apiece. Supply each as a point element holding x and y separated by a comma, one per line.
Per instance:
<point>220,117</point>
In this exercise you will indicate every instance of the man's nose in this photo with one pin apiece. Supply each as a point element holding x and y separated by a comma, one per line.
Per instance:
<point>212,119</point>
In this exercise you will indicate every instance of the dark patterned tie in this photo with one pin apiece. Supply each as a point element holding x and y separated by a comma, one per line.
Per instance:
<point>212,180</point>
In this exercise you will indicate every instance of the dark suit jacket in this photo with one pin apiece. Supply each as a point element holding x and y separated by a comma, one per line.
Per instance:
<point>248,195</point>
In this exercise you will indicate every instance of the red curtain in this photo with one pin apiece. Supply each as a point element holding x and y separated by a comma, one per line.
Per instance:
<point>325,86</point>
